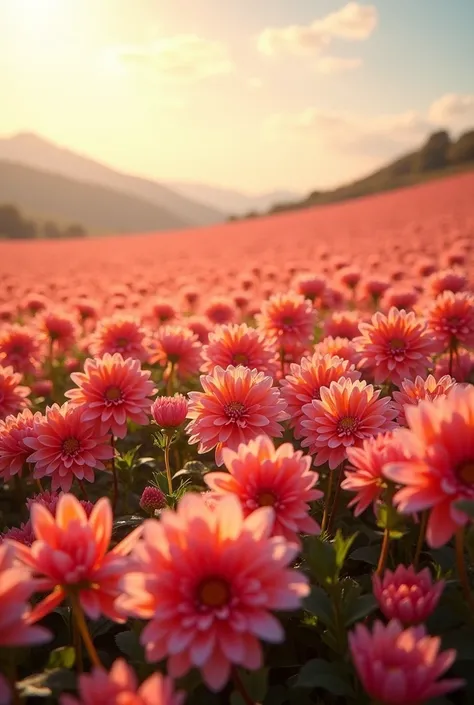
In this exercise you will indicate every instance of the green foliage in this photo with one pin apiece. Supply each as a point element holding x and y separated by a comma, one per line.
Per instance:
<point>328,676</point>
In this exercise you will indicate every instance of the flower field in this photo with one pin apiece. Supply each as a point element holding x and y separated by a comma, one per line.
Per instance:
<point>237,463</point>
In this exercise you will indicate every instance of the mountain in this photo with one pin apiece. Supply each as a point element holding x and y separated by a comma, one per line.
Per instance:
<point>34,151</point>
<point>438,156</point>
<point>95,207</point>
<point>229,201</point>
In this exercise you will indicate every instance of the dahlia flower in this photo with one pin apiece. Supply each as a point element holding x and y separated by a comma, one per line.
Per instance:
<point>451,319</point>
<point>347,413</point>
<point>239,345</point>
<point>407,595</point>
<point>237,405</point>
<point>440,468</point>
<point>21,348</point>
<point>220,310</point>
<point>13,396</point>
<point>111,391</point>
<point>65,446</point>
<point>447,280</point>
<point>412,392</point>
<point>311,286</point>
<point>289,318</point>
<point>169,412</point>
<point>177,346</point>
<point>303,383</point>
<point>208,581</point>
<point>399,667</point>
<point>262,476</point>
<point>120,334</point>
<point>342,324</point>
<point>70,553</point>
<point>59,327</point>
<point>364,475</point>
<point>16,588</point>
<point>461,365</point>
<point>341,347</point>
<point>13,450</point>
<point>120,687</point>
<point>394,346</point>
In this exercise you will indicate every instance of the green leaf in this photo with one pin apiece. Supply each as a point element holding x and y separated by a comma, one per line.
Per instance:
<point>319,604</point>
<point>63,657</point>
<point>129,644</point>
<point>466,506</point>
<point>321,558</point>
<point>255,682</point>
<point>366,554</point>
<point>363,606</point>
<point>318,673</point>
<point>277,695</point>
<point>342,547</point>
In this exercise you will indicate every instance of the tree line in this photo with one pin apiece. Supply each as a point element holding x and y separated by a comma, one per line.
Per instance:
<point>15,226</point>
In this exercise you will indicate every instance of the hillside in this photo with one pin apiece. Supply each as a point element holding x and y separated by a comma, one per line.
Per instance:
<point>231,201</point>
<point>38,153</point>
<point>437,157</point>
<point>97,208</point>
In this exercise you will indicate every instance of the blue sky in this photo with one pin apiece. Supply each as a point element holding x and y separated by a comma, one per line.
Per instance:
<point>250,94</point>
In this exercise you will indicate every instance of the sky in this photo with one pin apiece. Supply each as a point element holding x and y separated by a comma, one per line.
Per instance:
<point>253,95</point>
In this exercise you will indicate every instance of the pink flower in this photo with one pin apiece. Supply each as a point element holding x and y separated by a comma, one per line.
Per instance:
<point>407,595</point>
<point>399,297</point>
<point>111,391</point>
<point>347,413</point>
<point>60,327</point>
<point>120,687</point>
<point>440,468</point>
<point>200,326</point>
<point>21,348</point>
<point>152,499</point>
<point>364,475</point>
<point>289,318</point>
<point>120,334</point>
<point>208,581</point>
<point>16,588</point>
<point>399,667</point>
<point>304,382</point>
<point>177,346</point>
<point>343,324</point>
<point>70,553</point>
<point>236,406</point>
<point>169,412</point>
<point>13,450</point>
<point>340,347</point>
<point>13,396</point>
<point>23,534</point>
<point>311,286</point>
<point>239,345</point>
<point>412,392</point>
<point>447,280</point>
<point>220,310</point>
<point>349,276</point>
<point>451,319</point>
<point>461,365</point>
<point>394,346</point>
<point>262,476</point>
<point>65,446</point>
<point>162,311</point>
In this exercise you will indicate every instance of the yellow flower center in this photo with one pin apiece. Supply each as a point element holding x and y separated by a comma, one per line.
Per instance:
<point>235,409</point>
<point>397,344</point>
<point>214,592</point>
<point>240,359</point>
<point>347,423</point>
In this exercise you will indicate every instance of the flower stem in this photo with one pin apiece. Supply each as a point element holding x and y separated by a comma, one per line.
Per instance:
<point>282,362</point>
<point>383,552</point>
<point>452,350</point>
<point>83,490</point>
<point>336,499</point>
<point>421,538</point>
<point>240,687</point>
<point>327,499</point>
<point>170,381</point>
<point>76,640</point>
<point>462,570</point>
<point>83,630</point>
<point>114,476</point>
<point>167,463</point>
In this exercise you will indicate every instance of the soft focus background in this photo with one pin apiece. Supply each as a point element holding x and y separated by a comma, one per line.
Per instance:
<point>145,115</point>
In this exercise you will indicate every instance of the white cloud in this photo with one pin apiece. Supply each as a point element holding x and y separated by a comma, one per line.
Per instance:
<point>453,110</point>
<point>352,22</point>
<point>329,65</point>
<point>183,56</point>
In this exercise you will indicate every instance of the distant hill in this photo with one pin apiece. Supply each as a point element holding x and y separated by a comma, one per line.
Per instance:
<point>95,207</point>
<point>438,156</point>
<point>34,151</point>
<point>230,201</point>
